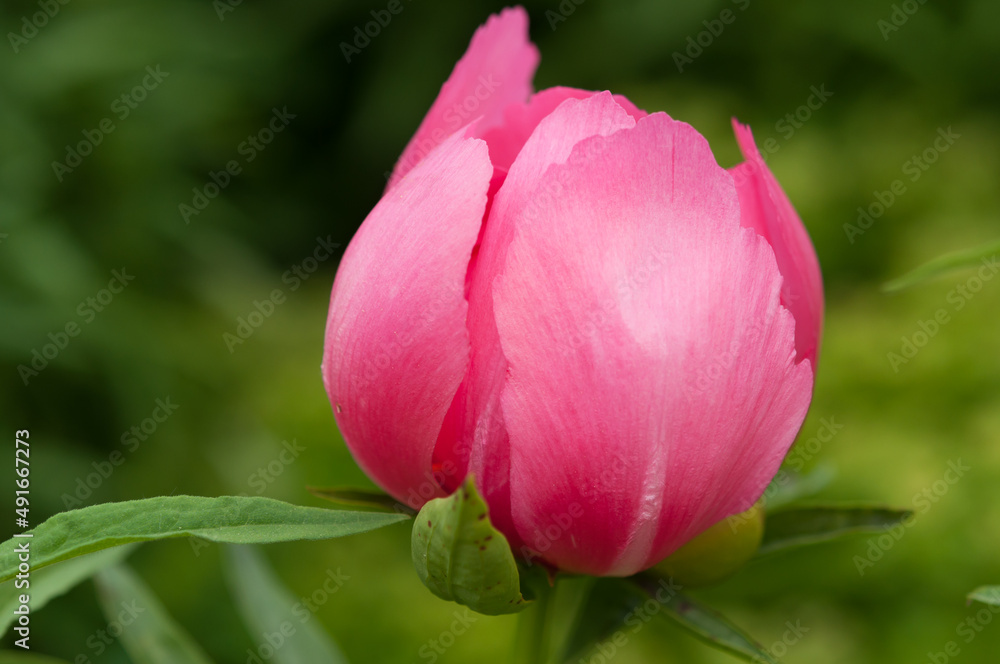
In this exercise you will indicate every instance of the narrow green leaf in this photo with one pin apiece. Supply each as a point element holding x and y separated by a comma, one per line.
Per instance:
<point>148,633</point>
<point>986,595</point>
<point>795,527</point>
<point>228,519</point>
<point>788,487</point>
<point>958,260</point>
<point>51,582</point>
<point>268,607</point>
<point>7,657</point>
<point>361,498</point>
<point>704,623</point>
<point>460,556</point>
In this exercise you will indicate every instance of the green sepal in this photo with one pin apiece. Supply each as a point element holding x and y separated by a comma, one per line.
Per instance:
<point>793,527</point>
<point>461,557</point>
<point>616,608</point>
<point>704,623</point>
<point>361,498</point>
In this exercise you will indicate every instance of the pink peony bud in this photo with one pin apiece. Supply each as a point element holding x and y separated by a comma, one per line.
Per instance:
<point>571,300</point>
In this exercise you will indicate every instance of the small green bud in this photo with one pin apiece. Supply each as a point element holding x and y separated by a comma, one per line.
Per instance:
<point>717,552</point>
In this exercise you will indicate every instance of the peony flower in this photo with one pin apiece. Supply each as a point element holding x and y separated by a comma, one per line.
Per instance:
<point>571,300</point>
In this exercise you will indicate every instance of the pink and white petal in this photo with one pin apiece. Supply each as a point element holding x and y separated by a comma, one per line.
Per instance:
<point>615,296</point>
<point>475,437</point>
<point>520,120</point>
<point>767,210</point>
<point>496,71</point>
<point>397,346</point>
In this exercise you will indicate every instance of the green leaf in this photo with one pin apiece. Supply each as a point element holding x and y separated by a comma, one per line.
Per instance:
<point>51,582</point>
<point>704,623</point>
<point>958,260</point>
<point>361,498</point>
<point>788,487</point>
<point>267,608</point>
<point>460,556</point>
<point>795,527</point>
<point>986,595</point>
<point>607,606</point>
<point>148,633</point>
<point>228,519</point>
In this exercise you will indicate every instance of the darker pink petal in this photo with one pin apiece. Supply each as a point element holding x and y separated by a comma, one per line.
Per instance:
<point>495,72</point>
<point>767,210</point>
<point>520,120</point>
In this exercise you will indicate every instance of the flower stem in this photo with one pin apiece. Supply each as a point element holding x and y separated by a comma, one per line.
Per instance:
<point>532,643</point>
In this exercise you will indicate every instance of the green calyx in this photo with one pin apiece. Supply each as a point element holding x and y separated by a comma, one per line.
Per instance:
<point>461,557</point>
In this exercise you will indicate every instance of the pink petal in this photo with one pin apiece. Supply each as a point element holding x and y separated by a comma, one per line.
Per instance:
<point>396,341</point>
<point>520,120</point>
<point>767,210</point>
<point>652,388</point>
<point>495,71</point>
<point>475,435</point>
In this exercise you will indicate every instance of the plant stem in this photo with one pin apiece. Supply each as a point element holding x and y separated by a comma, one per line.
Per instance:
<point>532,643</point>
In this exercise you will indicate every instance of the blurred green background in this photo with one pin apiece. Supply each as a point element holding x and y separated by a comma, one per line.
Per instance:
<point>229,65</point>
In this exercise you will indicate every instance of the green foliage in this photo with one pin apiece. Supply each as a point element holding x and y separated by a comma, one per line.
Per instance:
<point>799,526</point>
<point>986,595</point>
<point>51,582</point>
<point>615,609</point>
<point>148,633</point>
<point>943,265</point>
<point>163,335</point>
<point>229,519</point>
<point>268,607</point>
